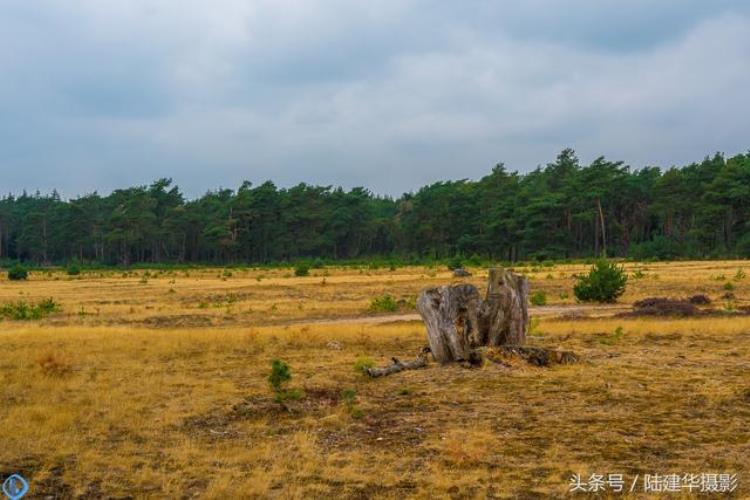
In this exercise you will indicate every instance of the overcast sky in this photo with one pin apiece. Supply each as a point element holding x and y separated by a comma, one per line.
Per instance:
<point>391,95</point>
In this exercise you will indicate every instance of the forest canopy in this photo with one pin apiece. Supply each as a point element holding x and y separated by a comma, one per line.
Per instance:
<point>558,211</point>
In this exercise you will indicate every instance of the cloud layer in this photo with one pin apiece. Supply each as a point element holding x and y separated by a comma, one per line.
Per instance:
<point>390,94</point>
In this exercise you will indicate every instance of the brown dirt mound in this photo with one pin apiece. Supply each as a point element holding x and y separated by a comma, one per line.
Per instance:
<point>662,306</point>
<point>699,300</point>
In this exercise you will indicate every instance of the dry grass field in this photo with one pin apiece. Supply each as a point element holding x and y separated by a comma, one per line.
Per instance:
<point>154,384</point>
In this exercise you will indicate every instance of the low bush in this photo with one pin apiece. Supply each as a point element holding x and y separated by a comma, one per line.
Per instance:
<point>278,380</point>
<point>455,263</point>
<point>24,311</point>
<point>538,298</point>
<point>73,269</point>
<point>349,396</point>
<point>384,303</point>
<point>614,338</point>
<point>605,282</point>
<point>302,270</point>
<point>17,273</point>
<point>362,363</point>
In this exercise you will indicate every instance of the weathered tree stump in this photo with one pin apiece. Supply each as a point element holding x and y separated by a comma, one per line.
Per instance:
<point>459,321</point>
<point>463,327</point>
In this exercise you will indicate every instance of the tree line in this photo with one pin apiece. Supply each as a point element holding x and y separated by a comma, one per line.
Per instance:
<point>561,210</point>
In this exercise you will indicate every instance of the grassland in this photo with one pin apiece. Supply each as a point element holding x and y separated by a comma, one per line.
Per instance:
<point>153,384</point>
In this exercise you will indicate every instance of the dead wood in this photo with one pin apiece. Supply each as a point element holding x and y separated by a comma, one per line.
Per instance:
<point>465,328</point>
<point>458,320</point>
<point>398,366</point>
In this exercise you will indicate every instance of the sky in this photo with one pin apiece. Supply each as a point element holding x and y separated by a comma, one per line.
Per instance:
<point>391,95</point>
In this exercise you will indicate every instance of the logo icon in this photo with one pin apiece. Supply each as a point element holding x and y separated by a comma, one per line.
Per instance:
<point>15,487</point>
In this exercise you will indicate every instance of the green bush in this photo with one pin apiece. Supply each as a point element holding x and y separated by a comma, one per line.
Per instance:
<point>278,379</point>
<point>384,303</point>
<point>614,338</point>
<point>538,298</point>
<point>350,399</point>
<point>475,260</point>
<point>17,273</point>
<point>73,269</point>
<point>362,363</point>
<point>455,263</point>
<point>24,311</point>
<point>302,270</point>
<point>605,282</point>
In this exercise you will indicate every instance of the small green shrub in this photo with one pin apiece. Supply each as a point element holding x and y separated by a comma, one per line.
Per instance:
<point>740,275</point>
<point>605,282</point>
<point>24,311</point>
<point>17,273</point>
<point>73,269</point>
<point>538,298</point>
<point>614,338</point>
<point>278,380</point>
<point>455,263</point>
<point>475,260</point>
<point>302,270</point>
<point>638,274</point>
<point>362,363</point>
<point>728,286</point>
<point>349,396</point>
<point>384,303</point>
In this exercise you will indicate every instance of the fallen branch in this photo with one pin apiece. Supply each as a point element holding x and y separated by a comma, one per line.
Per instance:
<point>398,366</point>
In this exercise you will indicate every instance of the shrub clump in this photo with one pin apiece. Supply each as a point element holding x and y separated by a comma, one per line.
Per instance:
<point>278,380</point>
<point>17,273</point>
<point>362,363</point>
<point>350,399</point>
<point>24,311</point>
<point>605,282</point>
<point>538,298</point>
<point>302,270</point>
<point>73,269</point>
<point>455,263</point>
<point>384,303</point>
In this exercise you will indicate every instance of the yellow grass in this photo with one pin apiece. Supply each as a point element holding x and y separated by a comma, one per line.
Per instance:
<point>159,393</point>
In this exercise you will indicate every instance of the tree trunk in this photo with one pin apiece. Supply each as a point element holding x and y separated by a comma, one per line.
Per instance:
<point>604,232</point>
<point>458,321</point>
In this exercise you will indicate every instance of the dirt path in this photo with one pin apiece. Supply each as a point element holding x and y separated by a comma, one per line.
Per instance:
<point>590,310</point>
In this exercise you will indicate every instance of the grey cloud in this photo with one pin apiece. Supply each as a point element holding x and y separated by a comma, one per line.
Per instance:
<point>390,95</point>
